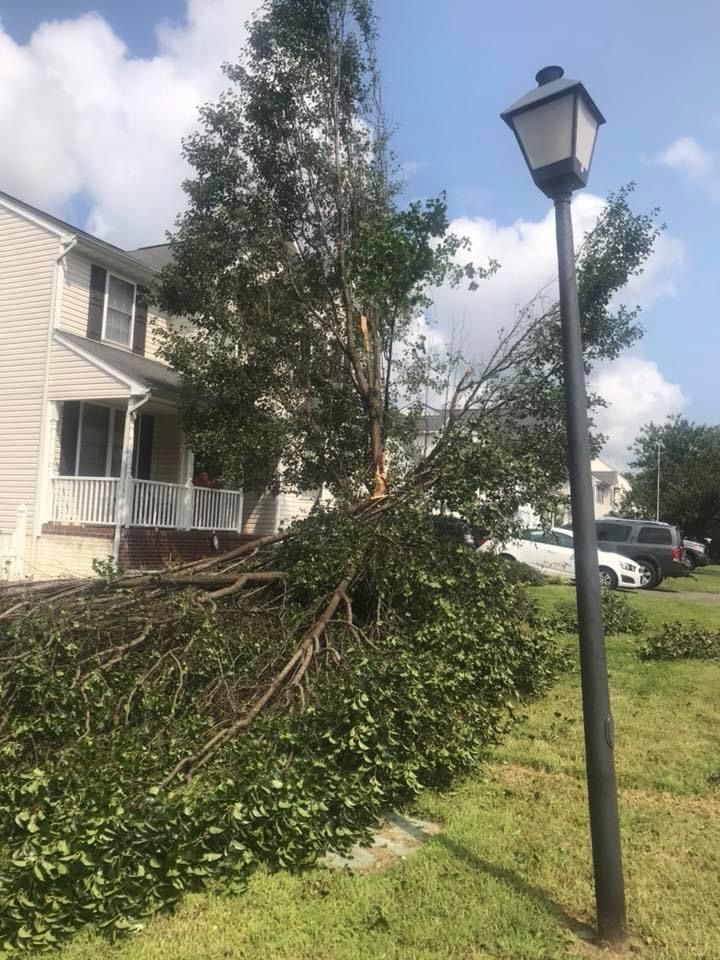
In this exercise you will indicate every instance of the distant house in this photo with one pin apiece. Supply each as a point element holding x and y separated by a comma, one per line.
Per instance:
<point>94,460</point>
<point>609,486</point>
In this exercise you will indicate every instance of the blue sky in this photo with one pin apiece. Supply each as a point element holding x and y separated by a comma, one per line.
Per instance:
<point>653,66</point>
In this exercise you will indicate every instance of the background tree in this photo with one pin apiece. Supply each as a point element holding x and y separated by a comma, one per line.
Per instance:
<point>689,475</point>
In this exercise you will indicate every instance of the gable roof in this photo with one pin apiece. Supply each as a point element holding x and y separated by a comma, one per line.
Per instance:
<point>161,381</point>
<point>97,245</point>
<point>156,257</point>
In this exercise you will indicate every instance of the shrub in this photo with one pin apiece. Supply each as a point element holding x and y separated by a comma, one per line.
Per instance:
<point>410,694</point>
<point>618,615</point>
<point>518,572</point>
<point>681,641</point>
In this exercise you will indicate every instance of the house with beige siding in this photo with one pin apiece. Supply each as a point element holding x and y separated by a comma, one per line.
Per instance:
<point>94,460</point>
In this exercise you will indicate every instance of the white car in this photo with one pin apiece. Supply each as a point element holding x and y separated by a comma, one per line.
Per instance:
<point>552,552</point>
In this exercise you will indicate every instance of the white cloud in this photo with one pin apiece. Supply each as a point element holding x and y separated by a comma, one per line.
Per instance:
<point>411,167</point>
<point>687,155</point>
<point>634,387</point>
<point>86,117</point>
<point>527,256</point>
<point>636,392</point>
<point>696,163</point>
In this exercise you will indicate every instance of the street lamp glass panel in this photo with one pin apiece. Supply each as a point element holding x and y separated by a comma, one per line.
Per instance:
<point>545,131</point>
<point>587,127</point>
<point>556,125</point>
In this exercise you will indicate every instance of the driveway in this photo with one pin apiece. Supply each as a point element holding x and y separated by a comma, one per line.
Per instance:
<point>685,595</point>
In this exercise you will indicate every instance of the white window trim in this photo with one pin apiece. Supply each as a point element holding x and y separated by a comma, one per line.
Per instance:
<point>117,343</point>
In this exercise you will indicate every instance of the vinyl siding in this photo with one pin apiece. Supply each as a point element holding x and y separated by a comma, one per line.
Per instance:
<point>156,323</point>
<point>264,514</point>
<point>75,294</point>
<point>259,511</point>
<point>295,506</point>
<point>74,378</point>
<point>165,462</point>
<point>76,298</point>
<point>63,556</point>
<point>27,263</point>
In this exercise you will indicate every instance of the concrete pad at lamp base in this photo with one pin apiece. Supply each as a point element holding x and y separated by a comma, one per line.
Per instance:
<point>397,838</point>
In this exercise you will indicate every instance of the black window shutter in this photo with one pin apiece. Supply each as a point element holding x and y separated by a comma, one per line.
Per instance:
<point>69,437</point>
<point>140,329</point>
<point>96,306</point>
<point>144,444</point>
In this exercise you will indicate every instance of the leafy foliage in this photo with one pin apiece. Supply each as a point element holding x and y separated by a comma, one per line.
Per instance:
<point>687,640</point>
<point>301,273</point>
<point>689,475</point>
<point>304,275</point>
<point>618,615</point>
<point>518,572</point>
<point>406,694</point>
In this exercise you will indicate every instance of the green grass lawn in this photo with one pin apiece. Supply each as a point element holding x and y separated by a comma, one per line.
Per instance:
<point>509,878</point>
<point>703,580</point>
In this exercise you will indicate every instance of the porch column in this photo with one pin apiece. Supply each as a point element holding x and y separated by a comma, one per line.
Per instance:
<point>123,505</point>
<point>187,469</point>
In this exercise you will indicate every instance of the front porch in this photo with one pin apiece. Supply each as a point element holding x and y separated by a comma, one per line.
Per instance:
<point>124,464</point>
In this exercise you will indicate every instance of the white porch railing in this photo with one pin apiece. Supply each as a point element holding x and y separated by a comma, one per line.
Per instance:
<point>94,500</point>
<point>216,509</point>
<point>91,500</point>
<point>155,504</point>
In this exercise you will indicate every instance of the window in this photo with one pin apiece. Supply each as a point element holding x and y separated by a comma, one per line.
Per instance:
<point>655,535</point>
<point>535,536</point>
<point>91,440</point>
<point>600,493</point>
<point>613,532</point>
<point>119,310</point>
<point>563,540</point>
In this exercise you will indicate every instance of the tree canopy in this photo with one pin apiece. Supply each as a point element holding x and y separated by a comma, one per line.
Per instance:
<point>689,475</point>
<point>304,274</point>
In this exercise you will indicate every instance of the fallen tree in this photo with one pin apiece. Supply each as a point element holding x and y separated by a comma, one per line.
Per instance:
<point>154,738</point>
<point>159,729</point>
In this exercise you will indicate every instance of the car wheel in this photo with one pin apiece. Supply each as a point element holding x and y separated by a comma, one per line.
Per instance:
<point>608,578</point>
<point>506,556</point>
<point>649,576</point>
<point>690,561</point>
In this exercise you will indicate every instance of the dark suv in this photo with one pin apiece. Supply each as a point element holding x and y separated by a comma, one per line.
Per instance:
<point>656,547</point>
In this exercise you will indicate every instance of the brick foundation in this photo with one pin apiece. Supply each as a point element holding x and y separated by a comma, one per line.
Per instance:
<point>79,530</point>
<point>149,547</point>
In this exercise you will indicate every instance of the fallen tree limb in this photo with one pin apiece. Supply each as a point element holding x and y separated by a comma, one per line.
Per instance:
<point>291,674</point>
<point>269,576</point>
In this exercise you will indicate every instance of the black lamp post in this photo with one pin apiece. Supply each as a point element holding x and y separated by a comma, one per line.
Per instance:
<point>556,126</point>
